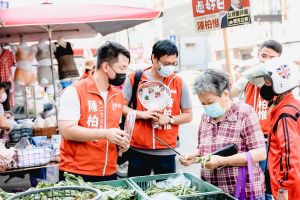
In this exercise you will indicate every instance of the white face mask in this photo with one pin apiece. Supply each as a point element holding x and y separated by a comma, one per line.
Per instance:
<point>3,97</point>
<point>166,71</point>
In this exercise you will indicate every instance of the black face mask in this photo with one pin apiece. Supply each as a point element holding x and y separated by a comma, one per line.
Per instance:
<point>267,93</point>
<point>118,80</point>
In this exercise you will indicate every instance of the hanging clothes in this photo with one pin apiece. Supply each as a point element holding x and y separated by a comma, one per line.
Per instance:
<point>44,70</point>
<point>7,60</point>
<point>66,64</point>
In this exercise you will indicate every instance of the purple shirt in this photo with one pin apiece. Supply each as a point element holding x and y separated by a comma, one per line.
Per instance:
<point>240,126</point>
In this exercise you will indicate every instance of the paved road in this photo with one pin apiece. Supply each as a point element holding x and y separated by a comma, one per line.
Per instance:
<point>188,134</point>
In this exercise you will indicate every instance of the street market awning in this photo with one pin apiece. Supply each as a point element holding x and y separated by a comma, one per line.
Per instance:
<point>74,21</point>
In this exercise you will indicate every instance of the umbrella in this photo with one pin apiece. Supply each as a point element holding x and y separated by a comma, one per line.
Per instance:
<point>75,20</point>
<point>72,20</point>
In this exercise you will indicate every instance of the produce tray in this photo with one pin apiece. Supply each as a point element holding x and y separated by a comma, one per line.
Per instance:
<point>142,183</point>
<point>123,183</point>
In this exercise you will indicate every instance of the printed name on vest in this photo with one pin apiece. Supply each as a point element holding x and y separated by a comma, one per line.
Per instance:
<point>116,106</point>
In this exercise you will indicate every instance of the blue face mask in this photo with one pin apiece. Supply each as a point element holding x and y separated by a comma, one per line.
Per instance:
<point>166,71</point>
<point>214,110</point>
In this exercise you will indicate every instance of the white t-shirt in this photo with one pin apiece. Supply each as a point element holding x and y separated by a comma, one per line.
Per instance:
<point>69,108</point>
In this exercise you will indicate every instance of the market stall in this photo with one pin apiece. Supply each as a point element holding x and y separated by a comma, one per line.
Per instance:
<point>33,143</point>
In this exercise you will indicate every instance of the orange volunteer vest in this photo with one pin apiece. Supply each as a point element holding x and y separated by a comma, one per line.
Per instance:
<point>143,133</point>
<point>260,105</point>
<point>95,158</point>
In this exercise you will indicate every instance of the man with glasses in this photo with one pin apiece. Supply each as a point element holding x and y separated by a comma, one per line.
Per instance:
<point>89,115</point>
<point>146,153</point>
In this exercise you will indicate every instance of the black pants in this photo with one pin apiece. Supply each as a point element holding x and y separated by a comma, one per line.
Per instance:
<point>88,178</point>
<point>141,164</point>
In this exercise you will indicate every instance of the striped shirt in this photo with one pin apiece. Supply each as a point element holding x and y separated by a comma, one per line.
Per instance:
<point>240,126</point>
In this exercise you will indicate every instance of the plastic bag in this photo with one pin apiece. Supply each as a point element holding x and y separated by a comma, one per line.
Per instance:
<point>129,124</point>
<point>39,140</point>
<point>23,143</point>
<point>174,182</point>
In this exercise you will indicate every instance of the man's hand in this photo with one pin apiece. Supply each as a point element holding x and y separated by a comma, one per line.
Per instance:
<point>124,149</point>
<point>161,119</point>
<point>148,114</point>
<point>118,137</point>
<point>282,194</point>
<point>187,159</point>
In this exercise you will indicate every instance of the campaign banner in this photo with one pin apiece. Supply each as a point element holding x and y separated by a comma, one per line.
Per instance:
<point>216,14</point>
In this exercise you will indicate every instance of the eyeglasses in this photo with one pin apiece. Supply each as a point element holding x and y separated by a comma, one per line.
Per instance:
<point>168,63</point>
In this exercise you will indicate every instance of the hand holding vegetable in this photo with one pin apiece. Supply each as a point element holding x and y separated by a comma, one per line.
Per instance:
<point>213,162</point>
<point>187,159</point>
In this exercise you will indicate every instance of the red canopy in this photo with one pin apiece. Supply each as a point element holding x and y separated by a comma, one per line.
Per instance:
<point>80,52</point>
<point>76,20</point>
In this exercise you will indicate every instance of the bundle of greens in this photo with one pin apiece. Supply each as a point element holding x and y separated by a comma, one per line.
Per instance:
<point>176,190</point>
<point>179,185</point>
<point>4,195</point>
<point>108,192</point>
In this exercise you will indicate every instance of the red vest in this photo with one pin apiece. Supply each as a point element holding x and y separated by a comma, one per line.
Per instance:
<point>260,105</point>
<point>143,133</point>
<point>95,158</point>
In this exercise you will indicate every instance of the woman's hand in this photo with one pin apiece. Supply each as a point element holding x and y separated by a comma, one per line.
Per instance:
<point>187,159</point>
<point>214,162</point>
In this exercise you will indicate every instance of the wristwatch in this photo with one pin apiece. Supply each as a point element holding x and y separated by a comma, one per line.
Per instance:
<point>171,119</point>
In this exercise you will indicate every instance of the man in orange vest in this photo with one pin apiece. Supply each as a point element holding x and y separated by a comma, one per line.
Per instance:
<point>146,153</point>
<point>268,50</point>
<point>89,115</point>
<point>281,77</point>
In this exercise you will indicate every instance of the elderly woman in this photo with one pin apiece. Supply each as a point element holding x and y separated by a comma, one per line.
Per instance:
<point>226,122</point>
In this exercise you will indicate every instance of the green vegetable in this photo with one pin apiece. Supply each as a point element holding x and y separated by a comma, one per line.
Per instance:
<point>108,192</point>
<point>203,160</point>
<point>176,190</point>
<point>5,195</point>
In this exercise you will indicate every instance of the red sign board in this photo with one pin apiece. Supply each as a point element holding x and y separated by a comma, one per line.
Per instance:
<point>215,14</point>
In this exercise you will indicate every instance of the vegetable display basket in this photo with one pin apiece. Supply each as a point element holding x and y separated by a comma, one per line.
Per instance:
<point>59,193</point>
<point>142,183</point>
<point>123,183</point>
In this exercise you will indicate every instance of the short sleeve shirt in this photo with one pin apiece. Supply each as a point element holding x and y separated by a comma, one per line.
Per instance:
<point>241,127</point>
<point>69,106</point>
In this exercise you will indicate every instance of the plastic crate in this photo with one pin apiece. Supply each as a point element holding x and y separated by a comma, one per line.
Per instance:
<point>142,183</point>
<point>123,183</point>
<point>34,156</point>
<point>53,193</point>
<point>209,196</point>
